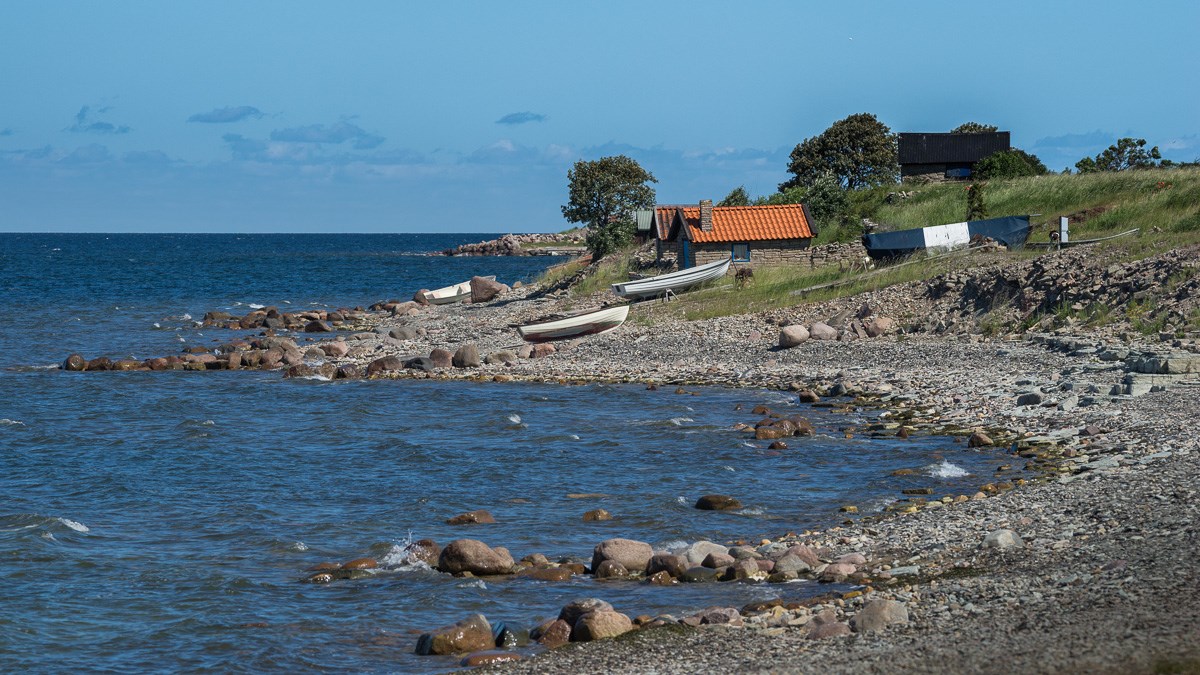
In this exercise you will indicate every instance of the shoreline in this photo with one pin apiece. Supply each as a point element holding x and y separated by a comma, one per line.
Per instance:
<point>1066,598</point>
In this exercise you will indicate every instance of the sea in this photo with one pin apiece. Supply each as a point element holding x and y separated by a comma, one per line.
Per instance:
<point>165,521</point>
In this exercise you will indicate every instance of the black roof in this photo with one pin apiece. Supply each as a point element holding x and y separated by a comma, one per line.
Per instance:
<point>945,148</point>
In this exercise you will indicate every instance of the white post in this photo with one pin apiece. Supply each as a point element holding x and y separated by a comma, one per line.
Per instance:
<point>1062,229</point>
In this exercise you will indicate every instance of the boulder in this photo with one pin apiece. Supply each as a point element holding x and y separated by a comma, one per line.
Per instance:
<point>878,614</point>
<point>717,503</point>
<point>792,563</point>
<point>837,572</point>
<point>828,630</point>
<point>472,518</point>
<point>699,574</point>
<point>1032,398</point>
<point>551,634</point>
<point>360,564</point>
<point>610,569</point>
<point>600,624</point>
<point>822,331</point>
<point>335,348</point>
<point>542,349</point>
<point>501,358</point>
<point>665,562</point>
<point>442,358</point>
<point>880,325</point>
<point>792,336</point>
<point>317,327</point>
<point>467,356</point>
<point>697,552</point>
<point>572,611</point>
<point>348,371</point>
<point>1003,539</point>
<point>380,365</point>
<point>423,363</point>
<point>634,555</point>
<point>476,557</point>
<point>419,297</point>
<point>721,616</point>
<point>596,515</point>
<point>469,635</point>
<point>808,396</point>
<point>979,440</point>
<point>403,333</point>
<point>75,363</point>
<point>717,560</point>
<point>99,363</point>
<point>423,550</point>
<point>484,290</point>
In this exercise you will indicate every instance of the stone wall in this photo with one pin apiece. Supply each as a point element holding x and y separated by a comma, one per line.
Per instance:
<point>796,252</point>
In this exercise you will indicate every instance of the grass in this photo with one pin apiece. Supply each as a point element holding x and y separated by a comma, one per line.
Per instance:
<point>1163,203</point>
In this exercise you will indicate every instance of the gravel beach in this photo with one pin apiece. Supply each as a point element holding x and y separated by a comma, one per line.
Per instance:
<point>1099,572</point>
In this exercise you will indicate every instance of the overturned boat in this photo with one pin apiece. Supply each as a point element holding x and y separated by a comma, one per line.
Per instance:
<point>673,282</point>
<point>451,294</point>
<point>593,322</point>
<point>1011,231</point>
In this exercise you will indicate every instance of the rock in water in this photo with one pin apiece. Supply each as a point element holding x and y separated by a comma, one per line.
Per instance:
<point>634,555</point>
<point>717,503</point>
<point>472,634</point>
<point>476,557</point>
<point>75,363</point>
<point>571,612</point>
<point>471,518</point>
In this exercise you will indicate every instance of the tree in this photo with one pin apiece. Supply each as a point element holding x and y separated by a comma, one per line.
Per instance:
<point>1127,153</point>
<point>736,197</point>
<point>860,151</point>
<point>974,128</point>
<point>1013,163</point>
<point>603,194</point>
<point>976,209</point>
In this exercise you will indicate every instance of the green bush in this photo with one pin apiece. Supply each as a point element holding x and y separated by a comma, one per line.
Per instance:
<point>1015,163</point>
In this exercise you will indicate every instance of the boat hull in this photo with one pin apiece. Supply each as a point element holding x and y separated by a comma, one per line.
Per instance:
<point>1012,231</point>
<point>451,294</point>
<point>589,323</point>
<point>673,282</point>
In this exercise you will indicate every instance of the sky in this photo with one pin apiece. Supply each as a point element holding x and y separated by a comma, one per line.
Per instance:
<point>298,116</point>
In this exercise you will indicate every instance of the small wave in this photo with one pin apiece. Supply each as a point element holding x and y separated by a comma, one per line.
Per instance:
<point>946,470</point>
<point>5,422</point>
<point>514,418</point>
<point>573,437</point>
<point>74,525</point>
<point>473,583</point>
<point>728,468</point>
<point>680,421</point>
<point>681,500</point>
<point>753,511</point>
<point>298,546</point>
<point>181,317</point>
<point>254,305</point>
<point>317,378</point>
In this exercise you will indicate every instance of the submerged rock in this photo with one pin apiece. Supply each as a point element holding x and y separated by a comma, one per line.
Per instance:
<point>472,634</point>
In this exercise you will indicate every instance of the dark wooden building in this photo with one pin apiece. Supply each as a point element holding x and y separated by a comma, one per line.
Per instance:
<point>947,156</point>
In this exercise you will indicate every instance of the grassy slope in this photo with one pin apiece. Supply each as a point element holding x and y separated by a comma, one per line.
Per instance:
<point>1164,204</point>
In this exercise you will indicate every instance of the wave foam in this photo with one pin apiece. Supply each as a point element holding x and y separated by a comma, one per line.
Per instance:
<point>946,470</point>
<point>4,421</point>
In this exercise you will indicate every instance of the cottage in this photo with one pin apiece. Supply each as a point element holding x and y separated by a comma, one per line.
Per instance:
<point>947,156</point>
<point>767,235</point>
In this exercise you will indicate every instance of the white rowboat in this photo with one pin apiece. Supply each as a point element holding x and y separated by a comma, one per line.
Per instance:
<point>673,282</point>
<point>586,323</point>
<point>450,294</point>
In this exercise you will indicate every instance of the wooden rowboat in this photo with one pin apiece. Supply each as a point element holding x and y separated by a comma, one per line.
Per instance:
<point>673,282</point>
<point>593,322</point>
<point>450,294</point>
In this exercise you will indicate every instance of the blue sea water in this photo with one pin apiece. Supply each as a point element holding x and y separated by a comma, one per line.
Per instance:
<point>163,521</point>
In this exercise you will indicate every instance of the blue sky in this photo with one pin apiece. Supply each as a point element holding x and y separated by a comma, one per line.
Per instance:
<point>465,116</point>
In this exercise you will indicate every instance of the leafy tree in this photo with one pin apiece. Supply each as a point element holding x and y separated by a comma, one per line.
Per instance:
<point>603,194</point>
<point>792,195</point>
<point>976,209</point>
<point>737,197</point>
<point>1127,153</point>
<point>859,151</point>
<point>1013,163</point>
<point>974,128</point>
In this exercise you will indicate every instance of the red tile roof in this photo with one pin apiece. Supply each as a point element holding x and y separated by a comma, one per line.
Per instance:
<point>749,223</point>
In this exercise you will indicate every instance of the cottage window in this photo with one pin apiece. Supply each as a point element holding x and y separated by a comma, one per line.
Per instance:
<point>741,252</point>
